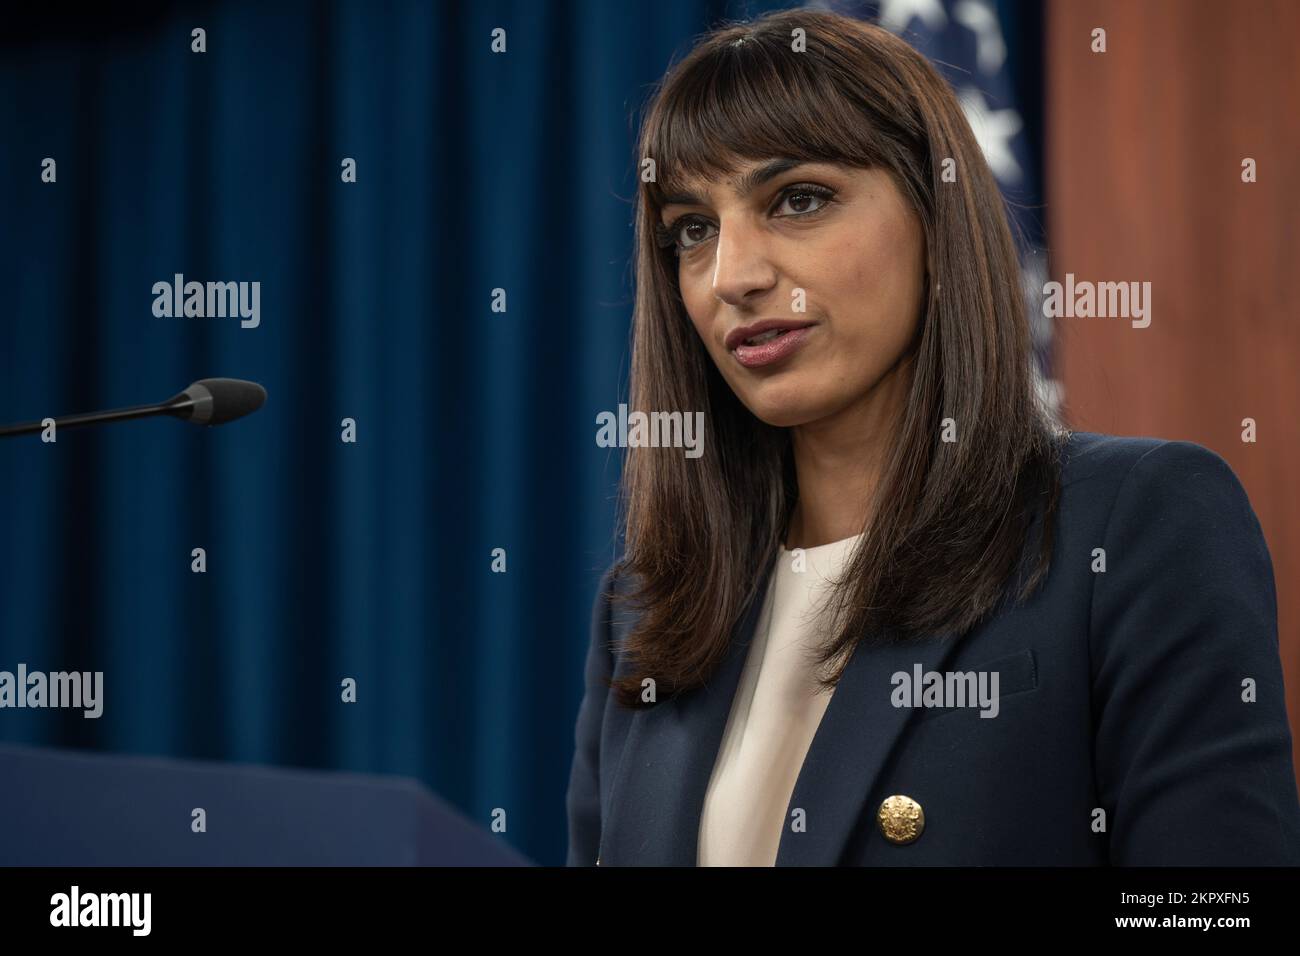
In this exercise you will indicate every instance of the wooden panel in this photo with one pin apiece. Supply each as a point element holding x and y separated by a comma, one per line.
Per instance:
<point>1143,170</point>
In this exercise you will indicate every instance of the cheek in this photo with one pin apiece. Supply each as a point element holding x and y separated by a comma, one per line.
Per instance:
<point>878,282</point>
<point>698,300</point>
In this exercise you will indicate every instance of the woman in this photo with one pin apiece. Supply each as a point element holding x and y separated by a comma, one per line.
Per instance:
<point>894,615</point>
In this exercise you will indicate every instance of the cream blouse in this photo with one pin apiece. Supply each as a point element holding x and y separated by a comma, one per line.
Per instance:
<point>774,714</point>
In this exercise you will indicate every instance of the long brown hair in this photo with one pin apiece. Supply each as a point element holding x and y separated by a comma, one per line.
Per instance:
<point>950,520</point>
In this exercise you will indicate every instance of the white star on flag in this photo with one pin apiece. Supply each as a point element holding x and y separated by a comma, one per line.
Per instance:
<point>896,14</point>
<point>994,130</point>
<point>990,48</point>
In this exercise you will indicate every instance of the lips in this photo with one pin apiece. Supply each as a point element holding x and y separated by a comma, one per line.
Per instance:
<point>767,341</point>
<point>765,329</point>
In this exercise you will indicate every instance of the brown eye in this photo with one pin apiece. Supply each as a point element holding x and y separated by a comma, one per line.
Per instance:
<point>688,232</point>
<point>804,200</point>
<point>693,233</point>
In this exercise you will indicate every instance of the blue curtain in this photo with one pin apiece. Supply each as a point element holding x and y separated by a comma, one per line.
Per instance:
<point>475,428</point>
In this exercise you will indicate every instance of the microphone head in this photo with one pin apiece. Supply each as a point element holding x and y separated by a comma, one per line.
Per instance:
<point>220,400</point>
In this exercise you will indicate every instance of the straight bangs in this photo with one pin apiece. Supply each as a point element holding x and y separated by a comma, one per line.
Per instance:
<point>750,99</point>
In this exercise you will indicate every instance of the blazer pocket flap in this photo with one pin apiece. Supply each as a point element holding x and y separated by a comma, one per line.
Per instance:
<point>1016,674</point>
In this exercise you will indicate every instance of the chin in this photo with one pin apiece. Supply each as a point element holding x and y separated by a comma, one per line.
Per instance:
<point>784,407</point>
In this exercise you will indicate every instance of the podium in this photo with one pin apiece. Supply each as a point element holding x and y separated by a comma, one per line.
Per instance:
<point>71,808</point>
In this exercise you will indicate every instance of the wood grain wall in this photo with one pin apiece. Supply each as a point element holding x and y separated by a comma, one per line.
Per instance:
<point>1144,147</point>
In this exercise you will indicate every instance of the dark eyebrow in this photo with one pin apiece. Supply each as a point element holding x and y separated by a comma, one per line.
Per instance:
<point>743,184</point>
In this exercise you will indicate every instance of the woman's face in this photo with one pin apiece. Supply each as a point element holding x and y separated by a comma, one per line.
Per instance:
<point>803,280</point>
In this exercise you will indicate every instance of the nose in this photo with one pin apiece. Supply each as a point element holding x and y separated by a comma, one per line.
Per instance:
<point>742,271</point>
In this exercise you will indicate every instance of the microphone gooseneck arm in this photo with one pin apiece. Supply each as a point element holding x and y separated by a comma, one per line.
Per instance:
<point>90,418</point>
<point>212,401</point>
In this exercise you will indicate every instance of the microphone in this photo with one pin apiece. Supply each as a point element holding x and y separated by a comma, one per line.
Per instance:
<point>209,401</point>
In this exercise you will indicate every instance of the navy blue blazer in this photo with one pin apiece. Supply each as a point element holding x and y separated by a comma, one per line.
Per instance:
<point>1120,691</point>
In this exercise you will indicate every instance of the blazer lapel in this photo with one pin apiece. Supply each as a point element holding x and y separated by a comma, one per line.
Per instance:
<point>658,793</point>
<point>668,758</point>
<point>856,734</point>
